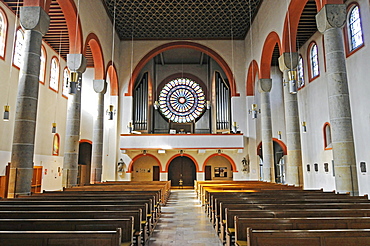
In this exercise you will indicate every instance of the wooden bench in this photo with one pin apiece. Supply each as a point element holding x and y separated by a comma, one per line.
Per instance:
<point>62,238</point>
<point>242,224</point>
<point>126,225</point>
<point>332,237</point>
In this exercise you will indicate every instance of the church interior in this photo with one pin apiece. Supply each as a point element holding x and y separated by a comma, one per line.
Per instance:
<point>184,94</point>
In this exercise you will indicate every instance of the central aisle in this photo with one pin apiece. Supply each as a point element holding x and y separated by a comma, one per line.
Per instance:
<point>183,222</point>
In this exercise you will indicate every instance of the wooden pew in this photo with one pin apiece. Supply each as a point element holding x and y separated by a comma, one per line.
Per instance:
<point>126,226</point>
<point>61,238</point>
<point>242,224</point>
<point>332,237</point>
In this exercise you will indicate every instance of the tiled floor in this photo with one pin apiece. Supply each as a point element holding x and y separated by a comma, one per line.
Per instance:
<point>183,222</point>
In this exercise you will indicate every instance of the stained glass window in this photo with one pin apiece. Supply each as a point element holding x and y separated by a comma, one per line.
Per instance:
<point>355,30</point>
<point>300,72</point>
<point>314,61</point>
<point>3,27</point>
<point>54,74</point>
<point>182,100</point>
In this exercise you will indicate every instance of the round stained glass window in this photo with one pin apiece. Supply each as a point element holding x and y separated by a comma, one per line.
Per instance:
<point>182,100</point>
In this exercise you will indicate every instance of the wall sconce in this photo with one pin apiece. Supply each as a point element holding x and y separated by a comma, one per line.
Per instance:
<point>254,111</point>
<point>235,127</point>
<point>181,152</point>
<point>219,152</point>
<point>279,135</point>
<point>74,83</point>
<point>6,113</point>
<point>304,127</point>
<point>156,105</point>
<point>111,112</point>
<point>144,152</point>
<point>292,76</point>
<point>54,127</point>
<point>208,105</point>
<point>121,166</point>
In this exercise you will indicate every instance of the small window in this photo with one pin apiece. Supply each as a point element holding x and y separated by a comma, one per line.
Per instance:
<point>300,72</point>
<point>65,82</point>
<point>56,142</point>
<point>308,168</point>
<point>327,136</point>
<point>354,28</point>
<point>363,167</point>
<point>42,65</point>
<point>18,49</point>
<point>326,167</point>
<point>314,60</point>
<point>3,33</point>
<point>316,166</point>
<point>54,74</point>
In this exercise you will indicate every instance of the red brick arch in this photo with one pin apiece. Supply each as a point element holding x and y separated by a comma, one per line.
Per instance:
<point>268,48</point>
<point>183,44</point>
<point>93,41</point>
<point>112,73</point>
<point>251,77</point>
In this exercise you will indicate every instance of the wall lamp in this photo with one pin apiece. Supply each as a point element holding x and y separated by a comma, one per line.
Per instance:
<point>6,113</point>
<point>254,111</point>
<point>54,127</point>
<point>304,127</point>
<point>74,84</point>
<point>292,76</point>
<point>111,112</point>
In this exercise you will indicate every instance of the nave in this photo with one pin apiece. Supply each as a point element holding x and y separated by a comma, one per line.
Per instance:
<point>183,222</point>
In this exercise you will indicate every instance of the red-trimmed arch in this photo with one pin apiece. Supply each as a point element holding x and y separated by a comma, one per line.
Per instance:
<point>112,73</point>
<point>183,44</point>
<point>132,162</point>
<point>281,143</point>
<point>85,141</point>
<point>251,77</point>
<point>97,52</point>
<point>291,22</point>
<point>74,26</point>
<point>184,154</point>
<point>223,155</point>
<point>268,48</point>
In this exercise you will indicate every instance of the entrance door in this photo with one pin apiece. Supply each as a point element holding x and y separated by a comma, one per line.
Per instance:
<point>208,173</point>
<point>155,173</point>
<point>183,168</point>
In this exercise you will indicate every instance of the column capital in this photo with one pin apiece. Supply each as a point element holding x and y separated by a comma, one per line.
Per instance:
<point>76,63</point>
<point>288,61</point>
<point>100,86</point>
<point>331,16</point>
<point>34,18</point>
<point>264,85</point>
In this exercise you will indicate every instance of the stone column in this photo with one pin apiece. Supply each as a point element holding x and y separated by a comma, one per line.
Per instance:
<point>330,20</point>
<point>264,87</point>
<point>35,22</point>
<point>76,63</point>
<point>293,166</point>
<point>100,87</point>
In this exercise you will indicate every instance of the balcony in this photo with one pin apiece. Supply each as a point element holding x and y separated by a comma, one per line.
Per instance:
<point>181,141</point>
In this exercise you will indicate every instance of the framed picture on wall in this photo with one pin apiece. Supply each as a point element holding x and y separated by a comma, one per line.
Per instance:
<point>221,172</point>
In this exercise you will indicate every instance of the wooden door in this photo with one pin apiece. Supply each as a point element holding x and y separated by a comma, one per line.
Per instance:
<point>208,173</point>
<point>183,168</point>
<point>156,173</point>
<point>36,179</point>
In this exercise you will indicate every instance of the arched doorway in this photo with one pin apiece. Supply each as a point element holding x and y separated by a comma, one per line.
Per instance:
<point>84,163</point>
<point>182,167</point>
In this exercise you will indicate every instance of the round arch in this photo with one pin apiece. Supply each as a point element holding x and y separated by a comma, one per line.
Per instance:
<point>85,141</point>
<point>268,48</point>
<point>74,25</point>
<point>291,22</point>
<point>232,163</point>
<point>251,77</point>
<point>131,165</point>
<point>112,73</point>
<point>281,143</point>
<point>93,41</point>
<point>184,154</point>
<point>183,44</point>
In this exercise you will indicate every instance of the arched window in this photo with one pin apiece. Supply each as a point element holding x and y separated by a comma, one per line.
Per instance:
<point>65,82</point>
<point>42,65</point>
<point>354,28</point>
<point>19,48</point>
<point>327,136</point>
<point>56,144</point>
<point>300,72</point>
<point>314,60</point>
<point>54,74</point>
<point>3,32</point>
